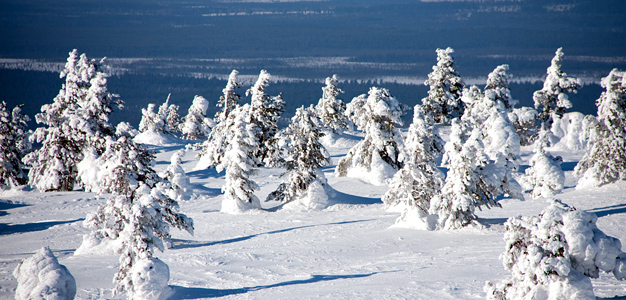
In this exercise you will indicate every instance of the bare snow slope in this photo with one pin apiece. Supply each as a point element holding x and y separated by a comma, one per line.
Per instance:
<point>346,251</point>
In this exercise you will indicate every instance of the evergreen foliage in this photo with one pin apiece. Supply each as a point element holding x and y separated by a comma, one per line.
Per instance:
<point>264,113</point>
<point>230,99</point>
<point>552,255</point>
<point>196,125</point>
<point>239,161</point>
<point>330,109</point>
<point>14,145</point>
<point>420,179</point>
<point>498,83</point>
<point>76,121</point>
<point>605,161</point>
<point>380,151</point>
<point>304,156</point>
<point>444,97</point>
<point>165,120</point>
<point>552,100</point>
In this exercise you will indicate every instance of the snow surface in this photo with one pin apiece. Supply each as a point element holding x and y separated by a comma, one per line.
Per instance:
<point>349,250</point>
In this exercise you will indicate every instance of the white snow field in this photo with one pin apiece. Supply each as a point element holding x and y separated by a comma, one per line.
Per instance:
<point>350,250</point>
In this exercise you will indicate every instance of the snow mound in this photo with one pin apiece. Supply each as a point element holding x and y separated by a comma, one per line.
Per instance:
<point>380,172</point>
<point>42,277</point>
<point>150,277</point>
<point>343,140</point>
<point>316,198</point>
<point>92,245</point>
<point>414,218</point>
<point>150,137</point>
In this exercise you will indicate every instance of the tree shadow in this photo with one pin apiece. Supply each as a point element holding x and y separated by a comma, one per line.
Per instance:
<point>492,222</point>
<point>184,244</point>
<point>613,298</point>
<point>179,292</point>
<point>608,210</point>
<point>205,173</point>
<point>6,205</point>
<point>30,227</point>
<point>343,198</point>
<point>568,165</point>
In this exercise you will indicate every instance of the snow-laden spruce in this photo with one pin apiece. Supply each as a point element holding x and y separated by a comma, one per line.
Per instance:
<point>136,217</point>
<point>264,113</point>
<point>553,255</point>
<point>444,96</point>
<point>196,125</point>
<point>181,188</point>
<point>77,121</point>
<point>552,99</point>
<point>14,145</point>
<point>229,100</point>
<point>330,109</point>
<point>165,120</point>
<point>498,83</point>
<point>524,121</point>
<point>239,162</point>
<point>419,180</point>
<point>41,277</point>
<point>304,156</point>
<point>605,161</point>
<point>545,177</point>
<point>377,157</point>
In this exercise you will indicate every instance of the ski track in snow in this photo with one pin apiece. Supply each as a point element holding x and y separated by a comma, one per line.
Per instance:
<point>346,251</point>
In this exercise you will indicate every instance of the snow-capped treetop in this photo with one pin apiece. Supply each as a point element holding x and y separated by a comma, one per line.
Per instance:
<point>378,109</point>
<point>330,109</point>
<point>423,143</point>
<point>552,98</point>
<point>165,120</point>
<point>196,125</point>
<point>14,145</point>
<point>606,160</point>
<point>498,82</point>
<point>42,277</point>
<point>230,99</point>
<point>446,86</point>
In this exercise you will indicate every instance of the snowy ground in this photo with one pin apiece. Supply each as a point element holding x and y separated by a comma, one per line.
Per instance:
<point>347,251</point>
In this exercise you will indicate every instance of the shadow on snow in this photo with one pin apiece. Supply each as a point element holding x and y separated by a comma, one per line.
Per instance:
<point>342,198</point>
<point>608,210</point>
<point>6,205</point>
<point>179,292</point>
<point>183,244</point>
<point>30,227</point>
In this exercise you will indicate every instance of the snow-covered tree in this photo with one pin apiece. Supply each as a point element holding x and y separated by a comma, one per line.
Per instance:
<point>444,97</point>
<point>330,109</point>
<point>165,120</point>
<point>230,99</point>
<point>473,179</point>
<point>264,113</point>
<point>545,177</point>
<point>42,277</point>
<point>605,161</point>
<point>76,121</point>
<point>524,121</point>
<point>305,156</point>
<point>378,156</point>
<point>552,100</point>
<point>138,216</point>
<point>553,255</point>
<point>180,184</point>
<point>14,145</point>
<point>196,125</point>
<point>498,82</point>
<point>419,180</point>
<point>239,161</point>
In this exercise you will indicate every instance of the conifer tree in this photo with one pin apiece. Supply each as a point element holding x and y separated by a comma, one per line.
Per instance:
<point>419,180</point>
<point>553,255</point>
<point>498,82</point>
<point>239,161</point>
<point>444,97</point>
<point>552,100</point>
<point>76,121</point>
<point>305,156</point>
<point>230,99</point>
<point>165,120</point>
<point>545,177</point>
<point>378,155</point>
<point>605,161</point>
<point>264,114</point>
<point>138,214</point>
<point>14,145</point>
<point>330,109</point>
<point>196,125</point>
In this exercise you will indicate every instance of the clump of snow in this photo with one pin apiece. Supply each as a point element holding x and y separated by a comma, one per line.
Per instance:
<point>413,217</point>
<point>42,277</point>
<point>545,177</point>
<point>315,198</point>
<point>379,173</point>
<point>93,245</point>
<point>151,137</point>
<point>150,277</point>
<point>569,130</point>
<point>551,256</point>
